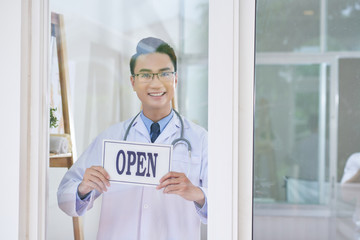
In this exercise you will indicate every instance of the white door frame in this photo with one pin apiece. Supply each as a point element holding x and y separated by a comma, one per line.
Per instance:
<point>231,85</point>
<point>34,123</point>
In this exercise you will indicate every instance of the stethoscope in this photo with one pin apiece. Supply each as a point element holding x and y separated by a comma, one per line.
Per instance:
<point>175,142</point>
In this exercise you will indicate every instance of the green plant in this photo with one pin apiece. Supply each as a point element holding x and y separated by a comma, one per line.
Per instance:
<point>53,119</point>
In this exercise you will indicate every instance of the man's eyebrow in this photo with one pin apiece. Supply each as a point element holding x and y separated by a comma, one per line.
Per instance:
<point>160,70</point>
<point>145,70</point>
<point>164,69</point>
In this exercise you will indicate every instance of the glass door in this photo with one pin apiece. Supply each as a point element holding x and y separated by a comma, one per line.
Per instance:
<point>306,130</point>
<point>101,37</point>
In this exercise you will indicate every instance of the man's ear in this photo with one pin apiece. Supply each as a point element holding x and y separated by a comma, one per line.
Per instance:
<point>176,79</point>
<point>132,80</point>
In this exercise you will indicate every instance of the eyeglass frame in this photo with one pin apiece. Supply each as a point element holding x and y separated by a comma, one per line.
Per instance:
<point>153,74</point>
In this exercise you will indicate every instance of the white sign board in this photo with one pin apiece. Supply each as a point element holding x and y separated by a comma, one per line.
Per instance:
<point>136,163</point>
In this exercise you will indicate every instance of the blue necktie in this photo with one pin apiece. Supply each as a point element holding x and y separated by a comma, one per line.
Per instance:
<point>154,131</point>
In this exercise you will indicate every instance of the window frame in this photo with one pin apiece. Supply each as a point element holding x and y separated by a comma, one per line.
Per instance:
<point>231,80</point>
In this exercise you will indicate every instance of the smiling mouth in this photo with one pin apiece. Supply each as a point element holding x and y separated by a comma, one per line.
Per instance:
<point>157,94</point>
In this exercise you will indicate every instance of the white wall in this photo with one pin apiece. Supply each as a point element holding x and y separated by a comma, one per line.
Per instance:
<point>10,46</point>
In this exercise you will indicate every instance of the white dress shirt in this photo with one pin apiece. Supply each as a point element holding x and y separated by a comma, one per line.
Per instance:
<point>132,212</point>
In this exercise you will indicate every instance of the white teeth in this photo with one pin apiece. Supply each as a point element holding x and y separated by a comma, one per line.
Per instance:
<point>156,94</point>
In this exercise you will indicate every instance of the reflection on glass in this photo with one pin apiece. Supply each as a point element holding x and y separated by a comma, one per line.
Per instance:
<point>275,31</point>
<point>101,37</point>
<point>339,19</point>
<point>343,28</point>
<point>306,120</point>
<point>196,103</point>
<point>195,27</point>
<point>287,133</point>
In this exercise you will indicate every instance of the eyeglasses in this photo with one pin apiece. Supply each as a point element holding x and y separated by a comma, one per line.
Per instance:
<point>148,77</point>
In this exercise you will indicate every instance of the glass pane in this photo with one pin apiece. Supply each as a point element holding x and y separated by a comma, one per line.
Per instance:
<point>287,133</point>
<point>196,27</point>
<point>194,90</point>
<point>101,37</point>
<point>306,151</point>
<point>288,26</point>
<point>343,28</point>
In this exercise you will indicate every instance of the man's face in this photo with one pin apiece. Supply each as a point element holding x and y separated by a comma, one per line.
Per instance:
<point>155,95</point>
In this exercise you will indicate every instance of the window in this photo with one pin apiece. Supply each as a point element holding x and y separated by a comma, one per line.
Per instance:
<point>305,118</point>
<point>101,37</point>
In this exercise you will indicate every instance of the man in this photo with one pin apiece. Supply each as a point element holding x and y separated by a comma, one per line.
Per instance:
<point>174,208</point>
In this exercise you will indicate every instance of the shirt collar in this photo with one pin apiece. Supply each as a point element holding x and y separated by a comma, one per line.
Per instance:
<point>162,122</point>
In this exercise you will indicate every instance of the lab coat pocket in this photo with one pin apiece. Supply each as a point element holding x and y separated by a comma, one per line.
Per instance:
<point>181,162</point>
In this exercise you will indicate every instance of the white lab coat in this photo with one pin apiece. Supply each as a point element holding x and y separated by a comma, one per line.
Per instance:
<point>134,212</point>
<point>352,166</point>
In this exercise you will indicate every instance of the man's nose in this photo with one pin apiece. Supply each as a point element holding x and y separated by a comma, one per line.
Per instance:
<point>155,75</point>
<point>155,80</point>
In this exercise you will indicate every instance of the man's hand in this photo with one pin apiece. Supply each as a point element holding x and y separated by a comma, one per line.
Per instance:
<point>95,177</point>
<point>178,183</point>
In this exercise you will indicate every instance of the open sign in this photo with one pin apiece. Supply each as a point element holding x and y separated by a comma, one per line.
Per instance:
<point>136,163</point>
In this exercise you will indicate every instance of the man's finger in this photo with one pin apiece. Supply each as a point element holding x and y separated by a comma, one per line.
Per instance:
<point>97,186</point>
<point>166,176</point>
<point>170,175</point>
<point>100,176</point>
<point>170,181</point>
<point>173,189</point>
<point>102,171</point>
<point>99,182</point>
<point>92,186</point>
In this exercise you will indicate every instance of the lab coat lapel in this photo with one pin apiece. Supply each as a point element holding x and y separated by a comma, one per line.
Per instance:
<point>172,128</point>
<point>140,127</point>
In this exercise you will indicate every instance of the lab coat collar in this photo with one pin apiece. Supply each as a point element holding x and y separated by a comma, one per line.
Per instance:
<point>139,126</point>
<point>173,127</point>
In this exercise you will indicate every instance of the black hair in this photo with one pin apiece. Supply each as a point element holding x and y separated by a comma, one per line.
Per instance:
<point>152,45</point>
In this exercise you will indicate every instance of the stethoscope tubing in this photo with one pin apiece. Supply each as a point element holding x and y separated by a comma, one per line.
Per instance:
<point>177,140</point>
